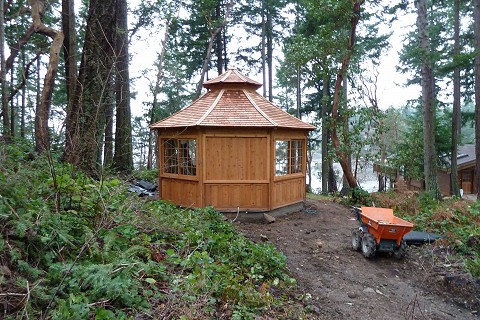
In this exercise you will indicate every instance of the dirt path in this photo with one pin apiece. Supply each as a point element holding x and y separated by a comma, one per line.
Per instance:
<point>341,282</point>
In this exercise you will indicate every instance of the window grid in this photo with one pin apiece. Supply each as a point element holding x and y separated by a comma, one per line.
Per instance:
<point>180,156</point>
<point>288,157</point>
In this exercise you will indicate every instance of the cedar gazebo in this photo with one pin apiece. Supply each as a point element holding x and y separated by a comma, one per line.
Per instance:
<point>232,149</point>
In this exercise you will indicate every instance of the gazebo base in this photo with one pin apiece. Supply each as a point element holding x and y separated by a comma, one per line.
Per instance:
<point>259,214</point>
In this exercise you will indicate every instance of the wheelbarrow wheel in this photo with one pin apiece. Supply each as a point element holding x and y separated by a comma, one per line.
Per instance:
<point>356,240</point>
<point>401,251</point>
<point>369,246</point>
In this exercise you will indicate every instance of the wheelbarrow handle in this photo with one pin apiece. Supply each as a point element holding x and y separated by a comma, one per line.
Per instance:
<point>356,211</point>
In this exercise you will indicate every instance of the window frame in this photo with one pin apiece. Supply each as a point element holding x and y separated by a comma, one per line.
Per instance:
<point>292,161</point>
<point>179,157</point>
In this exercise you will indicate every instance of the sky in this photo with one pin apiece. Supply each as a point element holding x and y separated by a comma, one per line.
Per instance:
<point>392,90</point>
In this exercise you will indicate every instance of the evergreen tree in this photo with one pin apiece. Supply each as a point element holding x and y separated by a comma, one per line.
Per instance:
<point>123,157</point>
<point>86,121</point>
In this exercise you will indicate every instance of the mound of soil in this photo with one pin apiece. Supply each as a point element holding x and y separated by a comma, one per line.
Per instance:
<point>339,283</point>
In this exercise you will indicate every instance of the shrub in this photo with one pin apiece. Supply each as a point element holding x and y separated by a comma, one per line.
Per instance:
<point>81,248</point>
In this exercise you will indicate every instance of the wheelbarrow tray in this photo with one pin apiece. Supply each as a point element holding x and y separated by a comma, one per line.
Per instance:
<point>382,224</point>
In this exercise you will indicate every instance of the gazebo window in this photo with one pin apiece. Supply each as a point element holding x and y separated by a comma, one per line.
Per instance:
<point>288,157</point>
<point>180,156</point>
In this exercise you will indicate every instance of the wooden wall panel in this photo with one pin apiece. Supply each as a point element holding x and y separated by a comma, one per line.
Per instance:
<point>185,193</point>
<point>288,191</point>
<point>230,196</point>
<point>236,159</point>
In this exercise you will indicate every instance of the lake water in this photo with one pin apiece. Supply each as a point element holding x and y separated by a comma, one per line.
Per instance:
<point>365,176</point>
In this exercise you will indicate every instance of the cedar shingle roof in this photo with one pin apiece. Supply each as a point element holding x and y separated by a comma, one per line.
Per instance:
<point>234,77</point>
<point>231,101</point>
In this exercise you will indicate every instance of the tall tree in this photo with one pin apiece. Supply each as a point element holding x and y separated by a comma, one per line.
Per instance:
<point>476,18</point>
<point>3,75</point>
<point>428,101</point>
<point>84,126</point>
<point>456,125</point>
<point>123,157</point>
<point>219,43</point>
<point>342,154</point>
<point>69,47</point>
<point>42,114</point>
<point>325,129</point>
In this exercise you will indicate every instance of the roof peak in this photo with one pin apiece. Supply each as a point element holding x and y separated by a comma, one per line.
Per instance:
<point>232,76</point>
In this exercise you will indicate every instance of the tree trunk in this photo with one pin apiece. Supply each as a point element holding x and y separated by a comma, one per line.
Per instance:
<point>264,60</point>
<point>325,160</point>
<point>206,61</point>
<point>123,157</point>
<point>12,107</point>
<point>270,54</point>
<point>309,168</point>
<point>3,75</point>
<point>345,124</point>
<point>218,44</point>
<point>332,180</point>
<point>476,14</point>
<point>299,93</point>
<point>456,131</point>
<point>342,154</point>
<point>109,138</point>
<point>69,49</point>
<point>23,107</point>
<point>428,103</point>
<point>42,135</point>
<point>383,157</point>
<point>93,83</point>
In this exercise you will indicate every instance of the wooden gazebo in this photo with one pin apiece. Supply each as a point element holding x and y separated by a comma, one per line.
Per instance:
<point>232,149</point>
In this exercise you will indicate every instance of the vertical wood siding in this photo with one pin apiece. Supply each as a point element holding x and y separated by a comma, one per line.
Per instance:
<point>236,159</point>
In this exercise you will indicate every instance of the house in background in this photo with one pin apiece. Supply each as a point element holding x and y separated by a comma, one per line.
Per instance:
<point>234,150</point>
<point>467,177</point>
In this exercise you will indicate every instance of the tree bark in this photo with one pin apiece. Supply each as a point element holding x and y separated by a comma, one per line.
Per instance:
<point>109,138</point>
<point>456,127</point>
<point>12,107</point>
<point>123,157</point>
<point>218,44</point>
<point>83,123</point>
<point>342,154</point>
<point>213,35</point>
<point>69,49</point>
<point>23,107</point>
<point>309,168</point>
<point>269,31</point>
<point>3,75</point>
<point>345,124</point>
<point>299,93</point>
<point>42,114</point>
<point>263,57</point>
<point>476,15</point>
<point>428,103</point>
<point>332,180</point>
<point>325,160</point>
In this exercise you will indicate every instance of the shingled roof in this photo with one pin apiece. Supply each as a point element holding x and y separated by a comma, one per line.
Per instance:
<point>231,101</point>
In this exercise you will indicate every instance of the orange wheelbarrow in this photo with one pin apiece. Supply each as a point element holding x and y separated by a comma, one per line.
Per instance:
<point>380,231</point>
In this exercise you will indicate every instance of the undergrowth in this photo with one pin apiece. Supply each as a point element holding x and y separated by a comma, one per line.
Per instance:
<point>76,248</point>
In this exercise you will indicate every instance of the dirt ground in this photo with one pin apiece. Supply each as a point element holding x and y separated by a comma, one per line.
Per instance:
<point>339,283</point>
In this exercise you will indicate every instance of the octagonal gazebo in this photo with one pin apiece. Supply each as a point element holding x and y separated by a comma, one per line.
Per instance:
<point>232,149</point>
